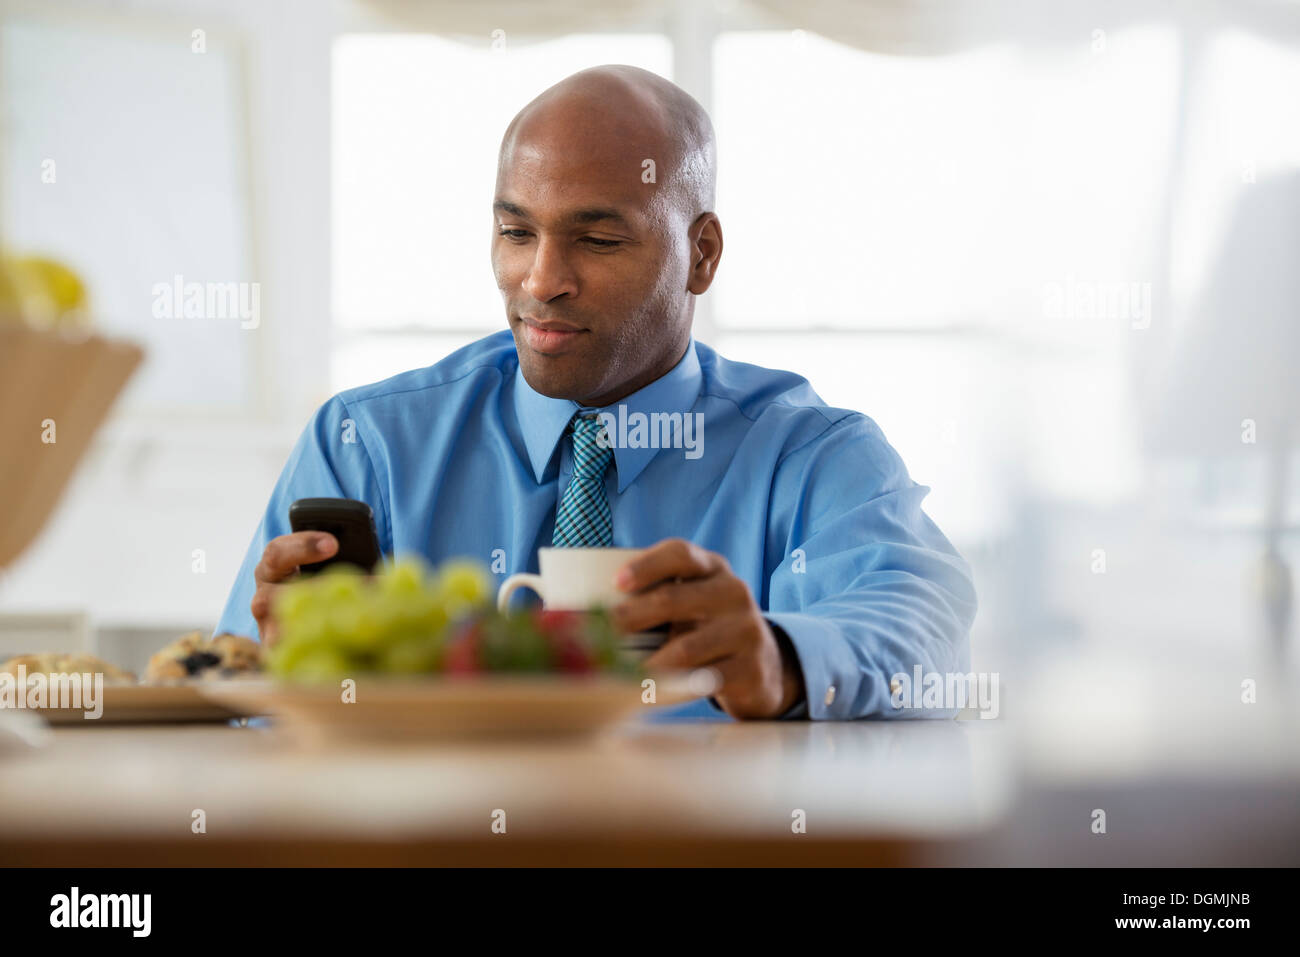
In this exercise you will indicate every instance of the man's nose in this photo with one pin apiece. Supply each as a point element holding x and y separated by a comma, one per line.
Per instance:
<point>551,275</point>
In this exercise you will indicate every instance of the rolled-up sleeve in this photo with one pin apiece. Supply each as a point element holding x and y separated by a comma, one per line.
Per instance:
<point>868,587</point>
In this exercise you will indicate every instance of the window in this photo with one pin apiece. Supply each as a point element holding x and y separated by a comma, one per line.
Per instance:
<point>897,228</point>
<point>416,126</point>
<point>162,193</point>
<point>893,224</point>
<point>1236,138</point>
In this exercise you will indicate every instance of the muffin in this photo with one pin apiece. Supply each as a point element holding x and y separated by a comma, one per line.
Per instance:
<point>195,656</point>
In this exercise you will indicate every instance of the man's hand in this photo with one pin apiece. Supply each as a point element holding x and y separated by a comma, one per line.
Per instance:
<point>280,561</point>
<point>715,621</point>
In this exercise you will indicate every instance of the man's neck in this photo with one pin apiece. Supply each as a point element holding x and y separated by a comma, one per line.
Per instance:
<point>652,374</point>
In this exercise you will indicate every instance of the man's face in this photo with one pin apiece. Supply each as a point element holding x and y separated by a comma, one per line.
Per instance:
<point>592,264</point>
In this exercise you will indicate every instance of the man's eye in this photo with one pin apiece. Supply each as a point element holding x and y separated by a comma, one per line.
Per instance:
<point>602,243</point>
<point>514,233</point>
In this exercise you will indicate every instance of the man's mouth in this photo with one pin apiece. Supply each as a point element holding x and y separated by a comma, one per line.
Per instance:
<point>549,337</point>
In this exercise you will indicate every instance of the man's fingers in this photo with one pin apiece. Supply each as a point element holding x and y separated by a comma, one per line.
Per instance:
<point>263,602</point>
<point>734,685</point>
<point>741,692</point>
<point>270,634</point>
<point>671,558</point>
<point>284,554</point>
<point>711,643</point>
<point>669,602</point>
<point>280,561</point>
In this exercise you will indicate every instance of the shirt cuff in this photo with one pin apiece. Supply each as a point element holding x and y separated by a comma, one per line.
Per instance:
<point>818,644</point>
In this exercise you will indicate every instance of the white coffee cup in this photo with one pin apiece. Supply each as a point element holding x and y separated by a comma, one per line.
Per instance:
<point>572,579</point>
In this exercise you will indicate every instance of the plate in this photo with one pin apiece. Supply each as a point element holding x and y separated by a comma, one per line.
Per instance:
<point>397,710</point>
<point>148,704</point>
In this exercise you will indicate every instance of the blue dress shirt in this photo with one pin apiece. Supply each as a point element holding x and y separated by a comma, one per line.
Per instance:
<point>809,504</point>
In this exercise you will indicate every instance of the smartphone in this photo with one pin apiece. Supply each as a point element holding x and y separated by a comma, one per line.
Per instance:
<point>349,521</point>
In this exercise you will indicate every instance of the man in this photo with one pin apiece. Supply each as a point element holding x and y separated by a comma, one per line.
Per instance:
<point>787,545</point>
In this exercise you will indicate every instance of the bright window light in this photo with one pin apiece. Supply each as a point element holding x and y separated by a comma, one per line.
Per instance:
<point>417,122</point>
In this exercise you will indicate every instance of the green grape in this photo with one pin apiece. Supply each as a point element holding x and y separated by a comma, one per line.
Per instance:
<point>433,621</point>
<point>359,628</point>
<point>402,611</point>
<point>406,576</point>
<point>411,656</point>
<point>496,643</point>
<point>338,586</point>
<point>464,583</point>
<point>601,637</point>
<point>528,649</point>
<point>323,664</point>
<point>292,602</point>
<point>308,625</point>
<point>606,644</point>
<point>284,656</point>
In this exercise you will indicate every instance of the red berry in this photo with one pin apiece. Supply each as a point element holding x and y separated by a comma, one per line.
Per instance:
<point>564,633</point>
<point>464,651</point>
<point>571,656</point>
<point>559,623</point>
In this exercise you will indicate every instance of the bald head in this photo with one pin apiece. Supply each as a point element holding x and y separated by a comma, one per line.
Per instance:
<point>604,231</point>
<point>627,115</point>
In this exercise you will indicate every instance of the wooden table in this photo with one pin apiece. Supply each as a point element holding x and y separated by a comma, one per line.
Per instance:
<point>686,792</point>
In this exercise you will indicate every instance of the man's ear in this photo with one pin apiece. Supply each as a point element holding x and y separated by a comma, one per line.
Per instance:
<point>705,237</point>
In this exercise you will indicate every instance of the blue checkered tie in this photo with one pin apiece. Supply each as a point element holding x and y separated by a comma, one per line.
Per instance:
<point>583,517</point>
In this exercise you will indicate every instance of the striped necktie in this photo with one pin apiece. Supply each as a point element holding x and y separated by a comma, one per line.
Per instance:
<point>583,518</point>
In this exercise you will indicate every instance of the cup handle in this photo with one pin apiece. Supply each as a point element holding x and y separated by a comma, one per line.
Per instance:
<point>516,582</point>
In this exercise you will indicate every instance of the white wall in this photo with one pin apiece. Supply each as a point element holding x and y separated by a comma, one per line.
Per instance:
<point>156,487</point>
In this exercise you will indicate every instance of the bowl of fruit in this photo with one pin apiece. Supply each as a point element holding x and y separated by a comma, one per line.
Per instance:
<point>412,653</point>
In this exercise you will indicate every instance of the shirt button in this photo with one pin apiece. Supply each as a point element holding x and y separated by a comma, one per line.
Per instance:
<point>830,696</point>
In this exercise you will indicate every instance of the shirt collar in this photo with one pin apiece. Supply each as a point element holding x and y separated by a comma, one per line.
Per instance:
<point>543,419</point>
